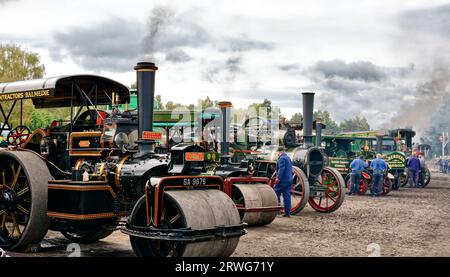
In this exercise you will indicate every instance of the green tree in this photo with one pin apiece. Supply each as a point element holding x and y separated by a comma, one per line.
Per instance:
<point>355,124</point>
<point>207,103</point>
<point>40,119</point>
<point>262,108</point>
<point>17,64</point>
<point>296,118</point>
<point>331,126</point>
<point>170,105</point>
<point>158,102</point>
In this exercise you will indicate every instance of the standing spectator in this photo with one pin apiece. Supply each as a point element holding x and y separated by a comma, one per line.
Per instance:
<point>447,162</point>
<point>413,170</point>
<point>357,167</point>
<point>378,167</point>
<point>422,171</point>
<point>284,180</point>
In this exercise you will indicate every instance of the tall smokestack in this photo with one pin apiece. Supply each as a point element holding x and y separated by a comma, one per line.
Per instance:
<point>145,81</point>
<point>318,132</point>
<point>308,106</point>
<point>379,144</point>
<point>225,108</point>
<point>408,138</point>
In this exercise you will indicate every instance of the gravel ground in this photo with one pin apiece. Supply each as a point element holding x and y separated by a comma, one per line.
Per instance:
<point>409,222</point>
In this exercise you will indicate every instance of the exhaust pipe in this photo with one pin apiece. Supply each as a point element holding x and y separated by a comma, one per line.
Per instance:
<point>225,108</point>
<point>379,144</point>
<point>318,132</point>
<point>145,81</point>
<point>308,106</point>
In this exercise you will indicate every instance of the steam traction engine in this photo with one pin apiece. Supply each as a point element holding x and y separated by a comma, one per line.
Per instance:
<point>80,177</point>
<point>314,183</point>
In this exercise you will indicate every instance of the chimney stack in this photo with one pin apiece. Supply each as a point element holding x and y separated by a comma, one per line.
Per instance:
<point>308,106</point>
<point>225,108</point>
<point>145,81</point>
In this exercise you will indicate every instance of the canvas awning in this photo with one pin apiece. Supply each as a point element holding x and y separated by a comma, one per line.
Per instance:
<point>64,91</point>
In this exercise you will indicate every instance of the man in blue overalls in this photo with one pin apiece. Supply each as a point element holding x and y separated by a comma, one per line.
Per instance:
<point>357,167</point>
<point>378,167</point>
<point>284,180</point>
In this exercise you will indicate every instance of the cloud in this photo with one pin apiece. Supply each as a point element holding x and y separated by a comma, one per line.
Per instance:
<point>2,2</point>
<point>178,56</point>
<point>112,45</point>
<point>289,67</point>
<point>359,88</point>
<point>360,70</point>
<point>434,20</point>
<point>168,30</point>
<point>168,36</point>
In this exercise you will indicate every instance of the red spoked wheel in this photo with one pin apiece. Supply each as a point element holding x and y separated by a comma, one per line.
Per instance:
<point>299,190</point>
<point>362,185</point>
<point>328,193</point>
<point>18,135</point>
<point>386,186</point>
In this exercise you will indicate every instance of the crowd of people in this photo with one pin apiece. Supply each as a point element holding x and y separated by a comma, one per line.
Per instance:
<point>444,164</point>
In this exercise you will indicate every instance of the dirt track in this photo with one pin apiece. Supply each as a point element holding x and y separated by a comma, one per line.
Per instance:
<point>409,222</point>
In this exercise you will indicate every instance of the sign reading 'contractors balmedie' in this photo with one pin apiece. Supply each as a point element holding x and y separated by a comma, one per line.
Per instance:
<point>26,95</point>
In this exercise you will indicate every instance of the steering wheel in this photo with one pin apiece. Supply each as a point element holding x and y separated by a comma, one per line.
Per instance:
<point>89,117</point>
<point>18,135</point>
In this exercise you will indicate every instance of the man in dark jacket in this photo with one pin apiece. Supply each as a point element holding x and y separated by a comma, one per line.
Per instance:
<point>357,166</point>
<point>413,170</point>
<point>378,167</point>
<point>284,180</point>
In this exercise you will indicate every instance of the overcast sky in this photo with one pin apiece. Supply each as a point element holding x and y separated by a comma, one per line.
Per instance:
<point>363,57</point>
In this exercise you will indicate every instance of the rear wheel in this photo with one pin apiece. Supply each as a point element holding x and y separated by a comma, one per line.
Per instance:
<point>362,185</point>
<point>300,190</point>
<point>404,178</point>
<point>23,199</point>
<point>426,177</point>
<point>328,191</point>
<point>387,186</point>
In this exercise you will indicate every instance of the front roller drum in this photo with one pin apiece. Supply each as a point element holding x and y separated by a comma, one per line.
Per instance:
<point>23,199</point>
<point>194,209</point>
<point>257,203</point>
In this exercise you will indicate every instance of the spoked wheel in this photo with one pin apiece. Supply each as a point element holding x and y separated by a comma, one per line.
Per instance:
<point>23,199</point>
<point>299,190</point>
<point>403,178</point>
<point>329,191</point>
<point>199,209</point>
<point>426,177</point>
<point>101,231</point>
<point>18,135</point>
<point>386,186</point>
<point>362,185</point>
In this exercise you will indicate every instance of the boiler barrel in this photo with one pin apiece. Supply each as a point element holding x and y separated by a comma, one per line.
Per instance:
<point>203,209</point>
<point>253,196</point>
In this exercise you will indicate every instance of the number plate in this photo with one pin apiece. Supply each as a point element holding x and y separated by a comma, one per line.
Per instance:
<point>195,156</point>
<point>194,181</point>
<point>146,135</point>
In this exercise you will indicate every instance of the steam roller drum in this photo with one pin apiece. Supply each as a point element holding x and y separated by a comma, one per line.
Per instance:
<point>195,209</point>
<point>255,196</point>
